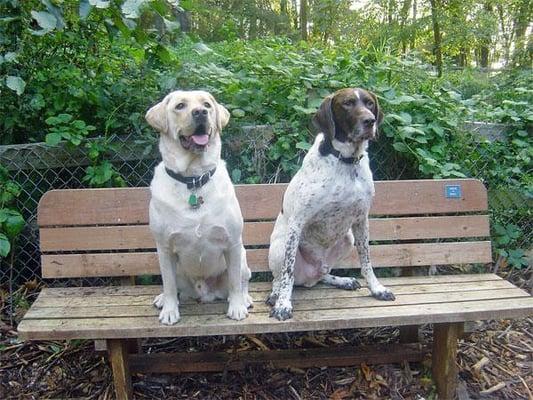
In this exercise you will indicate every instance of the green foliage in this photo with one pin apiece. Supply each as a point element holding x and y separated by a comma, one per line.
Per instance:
<point>11,221</point>
<point>63,127</point>
<point>506,239</point>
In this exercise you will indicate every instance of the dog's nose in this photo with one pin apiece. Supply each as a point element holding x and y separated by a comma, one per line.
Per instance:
<point>369,122</point>
<point>199,112</point>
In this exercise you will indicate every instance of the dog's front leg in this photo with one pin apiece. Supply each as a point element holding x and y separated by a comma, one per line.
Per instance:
<point>360,232</point>
<point>237,308</point>
<point>284,281</point>
<point>168,300</point>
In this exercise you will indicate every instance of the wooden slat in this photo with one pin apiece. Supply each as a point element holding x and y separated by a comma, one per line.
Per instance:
<point>130,205</point>
<point>129,327</point>
<point>335,356</point>
<point>389,255</point>
<point>258,233</point>
<point>99,298</point>
<point>115,295</point>
<point>411,282</point>
<point>70,310</point>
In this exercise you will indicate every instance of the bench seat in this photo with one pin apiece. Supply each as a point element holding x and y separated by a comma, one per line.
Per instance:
<point>127,312</point>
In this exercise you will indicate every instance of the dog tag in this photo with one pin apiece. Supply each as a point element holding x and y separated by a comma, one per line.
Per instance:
<point>195,201</point>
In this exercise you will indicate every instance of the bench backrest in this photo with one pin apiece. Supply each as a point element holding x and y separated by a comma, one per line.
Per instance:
<point>104,232</point>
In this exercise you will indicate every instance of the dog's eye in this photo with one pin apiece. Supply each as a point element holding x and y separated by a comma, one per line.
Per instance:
<point>349,102</point>
<point>207,105</point>
<point>370,104</point>
<point>180,106</point>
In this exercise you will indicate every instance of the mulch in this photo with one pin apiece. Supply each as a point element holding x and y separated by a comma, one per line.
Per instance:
<point>495,362</point>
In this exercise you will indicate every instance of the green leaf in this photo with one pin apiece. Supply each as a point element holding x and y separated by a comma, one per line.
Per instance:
<point>401,147</point>
<point>5,246</point>
<point>52,139</point>
<point>304,110</point>
<point>16,84</point>
<point>14,224</point>
<point>303,145</point>
<point>238,113</point>
<point>163,54</point>
<point>236,175</point>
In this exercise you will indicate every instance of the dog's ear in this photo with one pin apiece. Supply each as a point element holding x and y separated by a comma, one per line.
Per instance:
<point>377,110</point>
<point>323,118</point>
<point>157,116</point>
<point>222,117</point>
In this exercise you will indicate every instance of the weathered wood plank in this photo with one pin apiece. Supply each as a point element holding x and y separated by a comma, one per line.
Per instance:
<point>258,202</point>
<point>126,327</point>
<point>258,233</point>
<point>140,290</point>
<point>297,358</point>
<point>100,298</point>
<point>387,255</point>
<point>443,363</point>
<point>69,309</point>
<point>119,358</point>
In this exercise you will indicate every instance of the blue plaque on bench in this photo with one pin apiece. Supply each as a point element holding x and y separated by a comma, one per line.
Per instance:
<point>453,191</point>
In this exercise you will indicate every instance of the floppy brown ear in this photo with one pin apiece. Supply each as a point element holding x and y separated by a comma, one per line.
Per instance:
<point>377,111</point>
<point>323,118</point>
<point>157,116</point>
<point>222,117</point>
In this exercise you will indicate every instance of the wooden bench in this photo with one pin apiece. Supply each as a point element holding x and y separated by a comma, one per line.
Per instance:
<point>104,233</point>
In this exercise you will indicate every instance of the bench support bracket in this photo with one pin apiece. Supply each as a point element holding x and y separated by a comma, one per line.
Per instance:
<point>444,356</point>
<point>119,357</point>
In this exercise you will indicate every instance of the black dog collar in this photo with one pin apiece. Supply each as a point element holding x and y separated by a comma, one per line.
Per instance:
<point>326,148</point>
<point>192,182</point>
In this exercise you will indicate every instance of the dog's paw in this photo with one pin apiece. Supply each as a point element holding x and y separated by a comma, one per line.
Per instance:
<point>170,314</point>
<point>384,294</point>
<point>159,301</point>
<point>271,299</point>
<point>282,311</point>
<point>349,284</point>
<point>237,310</point>
<point>248,301</point>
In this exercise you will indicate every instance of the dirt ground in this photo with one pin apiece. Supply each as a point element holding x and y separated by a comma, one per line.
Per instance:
<point>495,362</point>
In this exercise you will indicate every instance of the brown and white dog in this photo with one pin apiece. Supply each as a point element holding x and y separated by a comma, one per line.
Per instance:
<point>326,205</point>
<point>194,214</point>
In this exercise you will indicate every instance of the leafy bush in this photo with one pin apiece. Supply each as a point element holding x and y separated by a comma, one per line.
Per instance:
<point>11,221</point>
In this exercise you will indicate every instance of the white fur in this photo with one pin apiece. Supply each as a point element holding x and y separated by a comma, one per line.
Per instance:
<point>201,254</point>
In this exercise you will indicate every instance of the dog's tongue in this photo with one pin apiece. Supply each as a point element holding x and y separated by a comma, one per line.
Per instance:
<point>200,140</point>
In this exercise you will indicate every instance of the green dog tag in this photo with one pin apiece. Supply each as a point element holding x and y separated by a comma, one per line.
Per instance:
<point>193,200</point>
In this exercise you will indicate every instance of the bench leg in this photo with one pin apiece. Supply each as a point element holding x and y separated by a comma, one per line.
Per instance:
<point>119,357</point>
<point>444,355</point>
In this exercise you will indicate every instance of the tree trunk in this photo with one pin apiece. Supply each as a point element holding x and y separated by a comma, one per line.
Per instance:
<point>404,13</point>
<point>303,19</point>
<point>413,31</point>
<point>485,43</point>
<point>437,39</point>
<point>506,33</point>
<point>520,24</point>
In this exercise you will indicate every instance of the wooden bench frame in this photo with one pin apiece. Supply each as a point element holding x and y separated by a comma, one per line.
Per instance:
<point>104,233</point>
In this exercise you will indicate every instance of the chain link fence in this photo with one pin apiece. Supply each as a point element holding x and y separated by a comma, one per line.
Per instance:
<point>38,168</point>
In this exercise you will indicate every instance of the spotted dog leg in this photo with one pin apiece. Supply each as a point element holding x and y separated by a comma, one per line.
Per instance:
<point>273,297</point>
<point>284,281</point>
<point>341,282</point>
<point>360,232</point>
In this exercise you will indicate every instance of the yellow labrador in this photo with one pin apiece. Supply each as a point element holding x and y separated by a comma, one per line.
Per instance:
<point>194,214</point>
